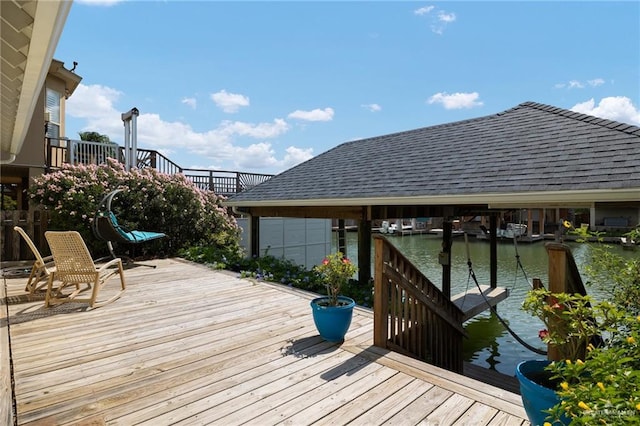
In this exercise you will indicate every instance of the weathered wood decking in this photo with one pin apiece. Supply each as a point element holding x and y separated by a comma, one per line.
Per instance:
<point>188,345</point>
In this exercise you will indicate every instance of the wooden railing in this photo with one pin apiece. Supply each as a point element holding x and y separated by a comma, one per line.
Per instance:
<point>411,315</point>
<point>34,222</point>
<point>222,182</point>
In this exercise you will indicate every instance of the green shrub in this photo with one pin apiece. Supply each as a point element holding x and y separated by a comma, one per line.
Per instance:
<point>151,201</point>
<point>277,270</point>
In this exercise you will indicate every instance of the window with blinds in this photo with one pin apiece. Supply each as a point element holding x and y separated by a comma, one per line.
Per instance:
<point>52,109</point>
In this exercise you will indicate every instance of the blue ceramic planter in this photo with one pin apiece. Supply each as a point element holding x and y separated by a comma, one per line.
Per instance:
<point>332,322</point>
<point>535,398</point>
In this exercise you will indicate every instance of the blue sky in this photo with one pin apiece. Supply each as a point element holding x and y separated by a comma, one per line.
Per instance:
<point>262,86</point>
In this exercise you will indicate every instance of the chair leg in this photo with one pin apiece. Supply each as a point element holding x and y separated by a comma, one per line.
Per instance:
<point>101,282</point>
<point>31,284</point>
<point>49,289</point>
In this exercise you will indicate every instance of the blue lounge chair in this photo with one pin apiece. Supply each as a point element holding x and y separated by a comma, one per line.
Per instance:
<point>107,228</point>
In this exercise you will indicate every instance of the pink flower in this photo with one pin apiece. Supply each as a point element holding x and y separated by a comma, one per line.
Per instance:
<point>543,334</point>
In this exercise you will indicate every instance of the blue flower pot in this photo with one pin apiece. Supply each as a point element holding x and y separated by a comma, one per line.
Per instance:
<point>535,397</point>
<point>332,322</point>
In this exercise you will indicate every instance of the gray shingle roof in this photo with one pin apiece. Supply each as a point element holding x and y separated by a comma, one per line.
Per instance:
<point>531,147</point>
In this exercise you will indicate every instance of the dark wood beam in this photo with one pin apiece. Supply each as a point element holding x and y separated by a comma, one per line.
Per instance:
<point>322,212</point>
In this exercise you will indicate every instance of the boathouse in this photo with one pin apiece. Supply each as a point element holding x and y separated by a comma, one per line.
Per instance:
<point>532,156</point>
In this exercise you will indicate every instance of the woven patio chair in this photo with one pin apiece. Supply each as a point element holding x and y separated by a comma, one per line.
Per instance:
<point>74,266</point>
<point>42,267</point>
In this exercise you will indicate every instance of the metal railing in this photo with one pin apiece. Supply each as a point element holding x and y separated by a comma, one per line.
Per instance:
<point>411,315</point>
<point>222,182</point>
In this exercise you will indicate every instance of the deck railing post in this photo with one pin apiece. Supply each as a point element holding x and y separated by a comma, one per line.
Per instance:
<point>557,284</point>
<point>71,151</point>
<point>380,299</point>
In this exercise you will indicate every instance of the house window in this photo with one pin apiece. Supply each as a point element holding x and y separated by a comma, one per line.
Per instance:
<point>52,110</point>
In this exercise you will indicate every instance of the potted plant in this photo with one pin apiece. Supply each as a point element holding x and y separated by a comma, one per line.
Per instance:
<point>332,313</point>
<point>593,375</point>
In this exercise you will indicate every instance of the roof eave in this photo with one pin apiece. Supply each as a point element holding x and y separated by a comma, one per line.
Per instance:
<point>48,24</point>
<point>580,198</point>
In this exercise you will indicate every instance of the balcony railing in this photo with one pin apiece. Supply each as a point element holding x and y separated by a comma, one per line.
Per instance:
<point>222,182</point>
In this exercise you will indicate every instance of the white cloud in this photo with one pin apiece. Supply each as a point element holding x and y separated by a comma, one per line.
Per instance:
<point>439,21</point>
<point>575,84</point>
<point>372,107</point>
<point>446,17</point>
<point>229,102</point>
<point>295,156</point>
<point>423,10</point>
<point>456,100</point>
<point>94,104</point>
<point>314,115</point>
<point>261,130</point>
<point>230,144</point>
<point>261,156</point>
<point>190,102</point>
<point>618,108</point>
<point>255,156</point>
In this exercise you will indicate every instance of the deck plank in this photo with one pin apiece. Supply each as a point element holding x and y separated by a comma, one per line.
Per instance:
<point>190,345</point>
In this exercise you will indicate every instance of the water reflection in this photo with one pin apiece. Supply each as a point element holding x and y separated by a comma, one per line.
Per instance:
<point>489,344</point>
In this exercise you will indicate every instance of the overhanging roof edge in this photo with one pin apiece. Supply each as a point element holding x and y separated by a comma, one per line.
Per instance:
<point>502,199</point>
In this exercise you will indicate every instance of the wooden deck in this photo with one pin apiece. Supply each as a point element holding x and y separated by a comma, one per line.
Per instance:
<point>187,345</point>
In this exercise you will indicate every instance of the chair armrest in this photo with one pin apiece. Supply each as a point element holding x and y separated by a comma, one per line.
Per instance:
<point>113,262</point>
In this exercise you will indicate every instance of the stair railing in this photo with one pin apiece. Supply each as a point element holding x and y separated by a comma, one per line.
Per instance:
<point>411,315</point>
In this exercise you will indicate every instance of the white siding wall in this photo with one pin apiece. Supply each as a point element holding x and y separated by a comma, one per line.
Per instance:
<point>303,241</point>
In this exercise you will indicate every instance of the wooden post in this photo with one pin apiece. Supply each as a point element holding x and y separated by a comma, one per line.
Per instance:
<point>342,237</point>
<point>529,223</point>
<point>380,301</point>
<point>364,252</point>
<point>445,258</point>
<point>493,251</point>
<point>537,283</point>
<point>255,235</point>
<point>557,284</point>
<point>557,269</point>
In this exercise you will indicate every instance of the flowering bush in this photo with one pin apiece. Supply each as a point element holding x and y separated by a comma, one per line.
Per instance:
<point>152,201</point>
<point>337,270</point>
<point>571,320</point>
<point>599,383</point>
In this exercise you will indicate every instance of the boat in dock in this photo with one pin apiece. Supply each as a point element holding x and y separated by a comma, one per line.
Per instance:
<point>517,231</point>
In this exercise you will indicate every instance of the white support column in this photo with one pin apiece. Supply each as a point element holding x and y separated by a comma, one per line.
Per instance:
<point>129,119</point>
<point>592,217</point>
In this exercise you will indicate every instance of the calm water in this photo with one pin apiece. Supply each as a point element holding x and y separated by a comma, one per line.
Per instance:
<point>489,344</point>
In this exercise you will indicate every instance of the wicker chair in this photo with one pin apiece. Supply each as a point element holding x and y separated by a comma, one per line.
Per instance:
<point>74,266</point>
<point>42,267</point>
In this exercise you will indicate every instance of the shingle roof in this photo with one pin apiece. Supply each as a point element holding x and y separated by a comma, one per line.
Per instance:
<point>531,147</point>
